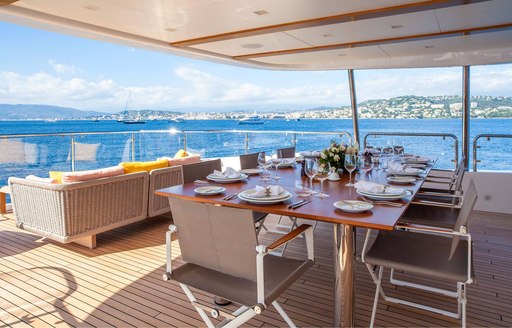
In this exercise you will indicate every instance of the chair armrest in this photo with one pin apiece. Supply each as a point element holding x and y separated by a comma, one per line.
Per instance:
<point>436,181</point>
<point>288,237</point>
<point>433,193</point>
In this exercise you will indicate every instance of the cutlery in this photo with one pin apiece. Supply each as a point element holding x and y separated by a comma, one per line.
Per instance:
<point>297,203</point>
<point>201,182</point>
<point>382,202</point>
<point>300,204</point>
<point>228,197</point>
<point>213,190</point>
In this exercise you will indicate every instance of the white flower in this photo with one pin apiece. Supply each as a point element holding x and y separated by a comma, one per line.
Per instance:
<point>334,150</point>
<point>331,154</point>
<point>337,158</point>
<point>323,155</point>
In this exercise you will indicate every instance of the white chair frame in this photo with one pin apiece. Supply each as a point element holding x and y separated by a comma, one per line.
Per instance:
<point>460,294</point>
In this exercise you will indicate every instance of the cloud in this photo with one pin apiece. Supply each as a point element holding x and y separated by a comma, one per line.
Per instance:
<point>192,89</point>
<point>63,69</point>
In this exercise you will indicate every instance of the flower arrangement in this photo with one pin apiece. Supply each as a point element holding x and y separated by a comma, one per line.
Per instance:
<point>335,154</point>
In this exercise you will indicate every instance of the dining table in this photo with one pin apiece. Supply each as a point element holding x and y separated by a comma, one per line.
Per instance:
<point>380,217</point>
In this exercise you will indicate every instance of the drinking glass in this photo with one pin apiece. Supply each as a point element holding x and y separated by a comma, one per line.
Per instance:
<point>264,173</point>
<point>262,160</point>
<point>398,147</point>
<point>322,172</point>
<point>310,170</point>
<point>377,152</point>
<point>365,165</point>
<point>276,160</point>
<point>350,166</point>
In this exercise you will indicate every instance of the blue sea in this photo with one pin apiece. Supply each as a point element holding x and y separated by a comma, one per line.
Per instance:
<point>42,154</point>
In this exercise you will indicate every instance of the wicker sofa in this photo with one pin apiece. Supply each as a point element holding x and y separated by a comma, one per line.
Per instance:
<point>76,212</point>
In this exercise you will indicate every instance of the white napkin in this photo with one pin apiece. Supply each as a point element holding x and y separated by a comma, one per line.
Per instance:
<point>376,188</point>
<point>288,160</point>
<point>270,190</point>
<point>229,173</point>
<point>369,186</point>
<point>397,167</point>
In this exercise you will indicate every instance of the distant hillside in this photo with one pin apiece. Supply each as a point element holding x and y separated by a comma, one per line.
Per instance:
<point>38,112</point>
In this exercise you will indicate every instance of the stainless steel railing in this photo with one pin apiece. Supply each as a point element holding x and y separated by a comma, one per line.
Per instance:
<point>455,145</point>
<point>488,137</point>
<point>185,137</point>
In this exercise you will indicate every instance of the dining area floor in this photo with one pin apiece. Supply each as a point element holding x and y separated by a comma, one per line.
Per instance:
<point>48,284</point>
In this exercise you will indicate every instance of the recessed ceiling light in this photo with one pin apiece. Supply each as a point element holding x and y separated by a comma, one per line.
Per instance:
<point>261,12</point>
<point>91,7</point>
<point>396,26</point>
<point>429,46</point>
<point>251,45</point>
<point>327,35</point>
<point>170,29</point>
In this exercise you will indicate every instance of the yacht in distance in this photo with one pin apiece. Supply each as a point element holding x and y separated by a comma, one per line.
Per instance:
<point>251,119</point>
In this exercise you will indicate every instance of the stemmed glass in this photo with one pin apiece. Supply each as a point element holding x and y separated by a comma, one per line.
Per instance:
<point>276,160</point>
<point>350,166</point>
<point>322,172</point>
<point>399,147</point>
<point>377,152</point>
<point>264,164</point>
<point>365,164</point>
<point>310,170</point>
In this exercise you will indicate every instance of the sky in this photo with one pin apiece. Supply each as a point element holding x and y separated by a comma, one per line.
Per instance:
<point>41,67</point>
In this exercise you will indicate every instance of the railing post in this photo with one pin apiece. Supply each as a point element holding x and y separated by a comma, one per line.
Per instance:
<point>353,102</point>
<point>246,143</point>
<point>185,141</point>
<point>133,147</point>
<point>466,114</point>
<point>72,153</point>
<point>475,161</point>
<point>294,140</point>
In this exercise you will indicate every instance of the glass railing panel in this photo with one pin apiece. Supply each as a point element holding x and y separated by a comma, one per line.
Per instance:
<point>212,144</point>
<point>93,151</point>
<point>493,152</point>
<point>151,145</point>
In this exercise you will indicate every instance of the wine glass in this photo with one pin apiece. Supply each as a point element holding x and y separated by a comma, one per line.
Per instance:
<point>264,173</point>
<point>262,160</point>
<point>310,170</point>
<point>322,172</point>
<point>377,153</point>
<point>276,159</point>
<point>398,147</point>
<point>365,164</point>
<point>350,166</point>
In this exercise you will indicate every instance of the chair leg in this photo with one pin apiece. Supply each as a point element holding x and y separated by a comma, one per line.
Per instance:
<point>283,314</point>
<point>464,302</point>
<point>376,298</point>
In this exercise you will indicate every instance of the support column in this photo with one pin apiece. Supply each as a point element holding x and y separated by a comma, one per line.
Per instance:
<point>353,105</point>
<point>344,292</point>
<point>466,114</point>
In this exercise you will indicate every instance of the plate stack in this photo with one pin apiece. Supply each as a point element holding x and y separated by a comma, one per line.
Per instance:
<point>223,179</point>
<point>389,193</point>
<point>249,196</point>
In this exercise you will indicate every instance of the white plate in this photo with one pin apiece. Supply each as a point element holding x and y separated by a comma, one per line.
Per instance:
<point>418,172</point>
<point>247,194</point>
<point>263,200</point>
<point>390,191</point>
<point>210,190</point>
<point>353,206</point>
<point>250,171</point>
<point>375,197</point>
<point>226,180</point>
<point>401,180</point>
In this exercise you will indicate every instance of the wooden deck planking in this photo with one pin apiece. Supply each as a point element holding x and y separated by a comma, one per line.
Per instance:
<point>50,284</point>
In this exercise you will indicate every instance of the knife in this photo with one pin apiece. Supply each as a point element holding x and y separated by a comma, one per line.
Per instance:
<point>300,204</point>
<point>297,203</point>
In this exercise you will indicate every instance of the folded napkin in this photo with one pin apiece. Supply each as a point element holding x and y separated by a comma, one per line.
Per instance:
<point>397,167</point>
<point>376,188</point>
<point>369,186</point>
<point>229,173</point>
<point>288,160</point>
<point>266,191</point>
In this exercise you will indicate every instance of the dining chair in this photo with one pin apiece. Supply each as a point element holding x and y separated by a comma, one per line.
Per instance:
<point>249,161</point>
<point>441,254</point>
<point>223,257</point>
<point>286,152</point>
<point>195,171</point>
<point>435,183</point>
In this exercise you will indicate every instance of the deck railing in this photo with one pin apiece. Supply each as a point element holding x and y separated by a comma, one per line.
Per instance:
<point>487,137</point>
<point>414,146</point>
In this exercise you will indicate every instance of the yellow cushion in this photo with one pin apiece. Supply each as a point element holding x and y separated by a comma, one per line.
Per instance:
<point>180,153</point>
<point>57,176</point>
<point>132,167</point>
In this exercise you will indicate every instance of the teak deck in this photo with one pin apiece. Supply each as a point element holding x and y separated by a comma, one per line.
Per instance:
<point>43,283</point>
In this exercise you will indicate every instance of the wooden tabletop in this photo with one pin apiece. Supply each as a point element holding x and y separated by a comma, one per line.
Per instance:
<point>320,209</point>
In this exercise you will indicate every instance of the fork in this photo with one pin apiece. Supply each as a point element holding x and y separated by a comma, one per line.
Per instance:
<point>228,197</point>
<point>382,202</point>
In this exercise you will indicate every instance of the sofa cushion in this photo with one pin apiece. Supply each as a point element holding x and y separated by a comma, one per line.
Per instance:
<point>132,167</point>
<point>39,179</point>
<point>183,160</point>
<point>92,174</point>
<point>180,153</point>
<point>56,175</point>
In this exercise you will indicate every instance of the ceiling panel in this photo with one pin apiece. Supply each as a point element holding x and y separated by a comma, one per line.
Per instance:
<point>252,44</point>
<point>369,29</point>
<point>479,14</point>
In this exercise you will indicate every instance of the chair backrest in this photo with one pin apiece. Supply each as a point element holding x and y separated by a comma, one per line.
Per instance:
<point>249,161</point>
<point>194,171</point>
<point>216,237</point>
<point>456,185</point>
<point>286,152</point>
<point>470,197</point>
